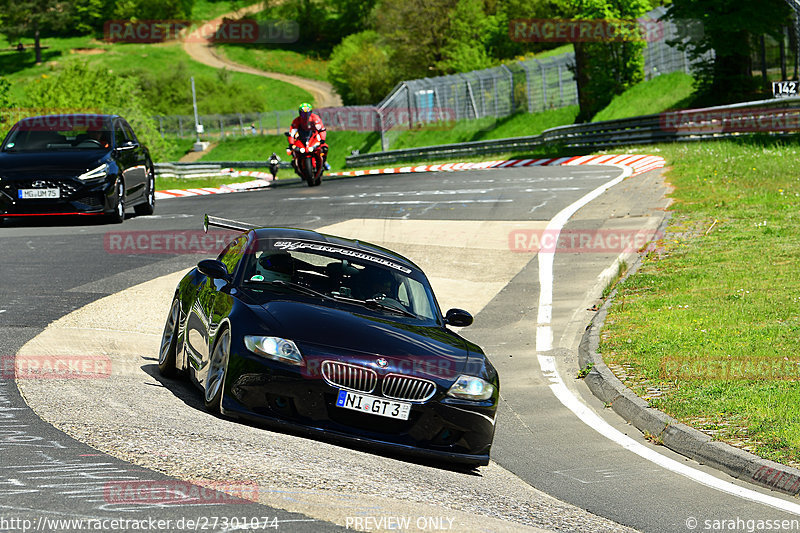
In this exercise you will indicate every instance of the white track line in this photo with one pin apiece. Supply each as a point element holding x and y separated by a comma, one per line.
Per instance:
<point>544,343</point>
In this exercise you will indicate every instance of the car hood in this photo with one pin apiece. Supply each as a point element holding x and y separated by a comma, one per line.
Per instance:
<point>23,164</point>
<point>408,347</point>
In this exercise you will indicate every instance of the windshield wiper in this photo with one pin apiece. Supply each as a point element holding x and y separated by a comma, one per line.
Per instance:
<point>291,285</point>
<point>380,304</point>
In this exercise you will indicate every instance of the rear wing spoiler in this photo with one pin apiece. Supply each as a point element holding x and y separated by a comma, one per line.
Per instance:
<point>217,222</point>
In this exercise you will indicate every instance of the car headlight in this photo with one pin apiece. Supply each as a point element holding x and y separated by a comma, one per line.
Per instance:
<point>275,348</point>
<point>471,388</point>
<point>95,173</point>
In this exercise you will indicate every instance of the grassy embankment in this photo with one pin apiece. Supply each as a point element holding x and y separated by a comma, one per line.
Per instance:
<point>280,60</point>
<point>707,329</point>
<point>668,91</point>
<point>259,147</point>
<point>162,68</point>
<point>664,92</point>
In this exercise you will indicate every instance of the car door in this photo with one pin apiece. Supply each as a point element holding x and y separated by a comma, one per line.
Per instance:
<point>123,153</point>
<point>213,304</point>
<point>138,159</point>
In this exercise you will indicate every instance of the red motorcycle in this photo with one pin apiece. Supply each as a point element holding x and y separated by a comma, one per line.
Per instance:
<point>306,151</point>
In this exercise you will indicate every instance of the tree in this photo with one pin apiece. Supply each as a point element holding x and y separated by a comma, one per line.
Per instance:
<point>315,20</point>
<point>28,18</point>
<point>360,69</point>
<point>153,9</point>
<point>468,30</point>
<point>605,68</point>
<point>90,15</point>
<point>727,29</point>
<point>416,31</point>
<point>80,87</point>
<point>349,17</point>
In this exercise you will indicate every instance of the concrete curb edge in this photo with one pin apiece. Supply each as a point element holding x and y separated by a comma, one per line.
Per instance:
<point>640,163</point>
<point>664,429</point>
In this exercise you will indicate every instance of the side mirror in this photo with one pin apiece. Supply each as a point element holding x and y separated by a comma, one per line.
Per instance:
<point>214,269</point>
<point>458,318</point>
<point>128,145</point>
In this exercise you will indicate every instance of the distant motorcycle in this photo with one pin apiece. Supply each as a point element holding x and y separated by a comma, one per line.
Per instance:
<point>274,165</point>
<point>307,156</point>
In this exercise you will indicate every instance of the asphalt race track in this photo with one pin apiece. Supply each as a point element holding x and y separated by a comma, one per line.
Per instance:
<point>71,447</point>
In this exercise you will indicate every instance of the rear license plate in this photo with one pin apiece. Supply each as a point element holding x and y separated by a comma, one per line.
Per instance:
<point>373,405</point>
<point>34,194</point>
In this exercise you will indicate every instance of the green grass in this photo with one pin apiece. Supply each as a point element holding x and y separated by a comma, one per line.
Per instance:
<point>177,148</point>
<point>668,91</point>
<point>712,318</point>
<point>517,125</point>
<point>555,51</point>
<point>208,10</point>
<point>259,147</point>
<point>194,183</point>
<point>21,67</point>
<point>226,92</point>
<point>277,60</point>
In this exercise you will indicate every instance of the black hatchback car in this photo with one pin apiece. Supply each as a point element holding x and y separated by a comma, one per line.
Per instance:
<point>77,164</point>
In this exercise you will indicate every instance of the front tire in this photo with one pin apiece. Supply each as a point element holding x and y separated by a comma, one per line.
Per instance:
<point>149,206</point>
<point>118,215</point>
<point>217,369</point>
<point>308,170</point>
<point>169,341</point>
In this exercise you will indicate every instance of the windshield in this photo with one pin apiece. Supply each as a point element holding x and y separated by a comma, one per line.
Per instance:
<point>341,274</point>
<point>51,135</point>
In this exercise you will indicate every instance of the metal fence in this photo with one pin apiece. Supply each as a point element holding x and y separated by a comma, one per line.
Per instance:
<point>221,126</point>
<point>777,118</point>
<point>532,85</point>
<point>661,57</point>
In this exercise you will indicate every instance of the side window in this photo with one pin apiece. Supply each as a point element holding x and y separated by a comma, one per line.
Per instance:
<point>233,253</point>
<point>129,135</point>
<point>119,134</point>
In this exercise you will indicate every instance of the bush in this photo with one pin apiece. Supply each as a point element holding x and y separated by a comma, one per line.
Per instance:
<point>154,9</point>
<point>360,69</point>
<point>170,93</point>
<point>85,88</point>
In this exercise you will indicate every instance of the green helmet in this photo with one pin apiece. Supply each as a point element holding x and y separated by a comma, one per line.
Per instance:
<point>305,110</point>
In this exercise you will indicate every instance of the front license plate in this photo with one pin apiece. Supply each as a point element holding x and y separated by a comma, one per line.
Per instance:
<point>373,405</point>
<point>34,194</point>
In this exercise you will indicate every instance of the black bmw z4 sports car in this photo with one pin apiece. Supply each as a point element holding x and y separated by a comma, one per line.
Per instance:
<point>335,337</point>
<point>77,164</point>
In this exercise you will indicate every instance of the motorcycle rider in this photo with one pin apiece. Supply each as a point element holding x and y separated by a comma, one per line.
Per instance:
<point>309,121</point>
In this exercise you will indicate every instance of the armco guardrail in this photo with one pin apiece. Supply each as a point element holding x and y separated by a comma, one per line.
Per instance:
<point>198,170</point>
<point>187,170</point>
<point>780,116</point>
